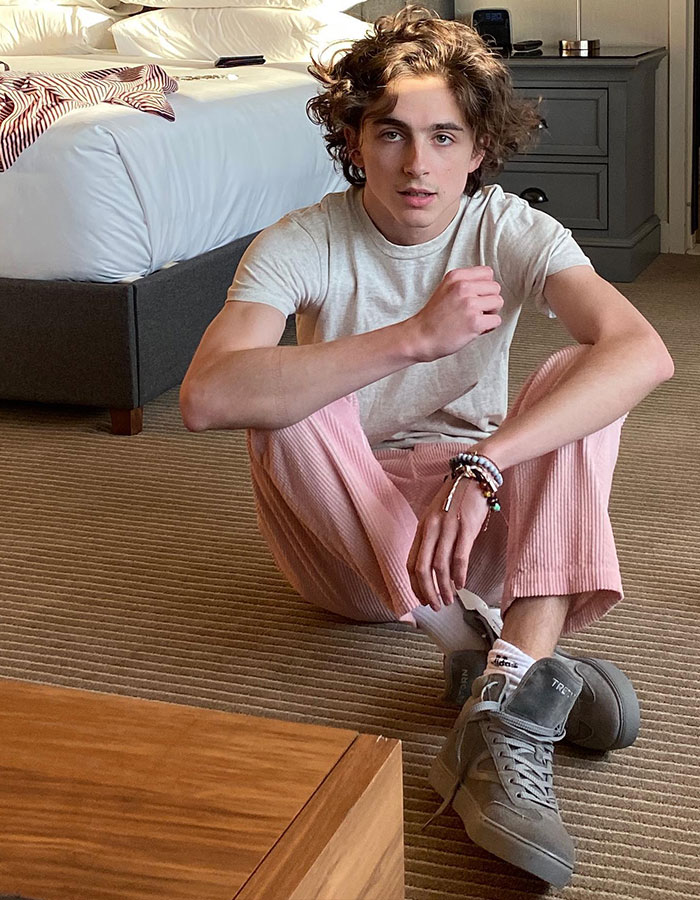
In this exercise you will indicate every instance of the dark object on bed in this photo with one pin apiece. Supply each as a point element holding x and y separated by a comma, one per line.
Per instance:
<point>111,345</point>
<point>227,62</point>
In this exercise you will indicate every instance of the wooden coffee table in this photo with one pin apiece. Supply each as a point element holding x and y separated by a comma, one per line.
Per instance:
<point>105,797</point>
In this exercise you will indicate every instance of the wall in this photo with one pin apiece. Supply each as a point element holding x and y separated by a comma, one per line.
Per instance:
<point>619,22</point>
<point>372,9</point>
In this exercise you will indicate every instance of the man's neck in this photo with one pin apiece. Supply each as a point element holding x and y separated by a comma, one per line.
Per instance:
<point>405,236</point>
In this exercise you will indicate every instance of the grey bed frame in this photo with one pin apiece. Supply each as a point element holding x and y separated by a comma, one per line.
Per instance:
<point>110,345</point>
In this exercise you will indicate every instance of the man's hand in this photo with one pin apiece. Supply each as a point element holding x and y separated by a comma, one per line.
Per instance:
<point>439,557</point>
<point>464,305</point>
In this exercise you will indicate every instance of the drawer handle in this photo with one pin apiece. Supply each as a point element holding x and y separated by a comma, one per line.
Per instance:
<point>534,196</point>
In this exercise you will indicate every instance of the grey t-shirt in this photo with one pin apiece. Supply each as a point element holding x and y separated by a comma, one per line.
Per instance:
<point>332,267</point>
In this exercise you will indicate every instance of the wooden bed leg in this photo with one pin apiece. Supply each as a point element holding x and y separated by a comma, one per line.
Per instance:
<point>127,421</point>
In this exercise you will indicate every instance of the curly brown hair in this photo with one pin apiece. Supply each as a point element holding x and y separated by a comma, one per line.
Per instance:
<point>416,42</point>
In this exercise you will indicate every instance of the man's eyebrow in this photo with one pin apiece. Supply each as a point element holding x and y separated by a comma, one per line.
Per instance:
<point>438,126</point>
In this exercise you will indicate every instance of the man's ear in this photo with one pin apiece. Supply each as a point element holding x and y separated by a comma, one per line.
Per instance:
<point>478,154</point>
<point>352,142</point>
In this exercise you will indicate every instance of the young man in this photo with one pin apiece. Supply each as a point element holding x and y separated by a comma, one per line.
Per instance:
<point>380,449</point>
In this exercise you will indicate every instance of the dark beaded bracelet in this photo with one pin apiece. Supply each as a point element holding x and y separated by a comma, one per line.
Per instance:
<point>484,476</point>
<point>477,460</point>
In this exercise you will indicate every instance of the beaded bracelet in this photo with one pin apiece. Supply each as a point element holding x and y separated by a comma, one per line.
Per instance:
<point>484,471</point>
<point>479,461</point>
<point>488,491</point>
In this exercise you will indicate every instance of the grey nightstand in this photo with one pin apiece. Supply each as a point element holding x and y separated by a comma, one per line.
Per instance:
<point>593,167</point>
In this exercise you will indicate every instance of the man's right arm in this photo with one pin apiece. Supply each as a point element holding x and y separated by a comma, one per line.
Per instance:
<point>240,378</point>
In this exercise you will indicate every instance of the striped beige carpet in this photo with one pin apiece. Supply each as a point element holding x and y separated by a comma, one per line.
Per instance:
<point>133,565</point>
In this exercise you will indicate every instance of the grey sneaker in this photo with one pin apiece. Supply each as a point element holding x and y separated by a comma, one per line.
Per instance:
<point>606,715</point>
<point>496,768</point>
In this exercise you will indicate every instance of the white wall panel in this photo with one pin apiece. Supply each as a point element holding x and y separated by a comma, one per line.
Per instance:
<point>619,22</point>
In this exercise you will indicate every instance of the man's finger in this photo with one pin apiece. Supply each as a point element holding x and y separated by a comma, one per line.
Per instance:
<point>489,323</point>
<point>442,560</point>
<point>488,301</point>
<point>460,557</point>
<point>470,273</point>
<point>421,573</point>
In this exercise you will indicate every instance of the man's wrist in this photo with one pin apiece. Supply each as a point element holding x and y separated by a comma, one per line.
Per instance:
<point>411,342</point>
<point>491,449</point>
<point>484,471</point>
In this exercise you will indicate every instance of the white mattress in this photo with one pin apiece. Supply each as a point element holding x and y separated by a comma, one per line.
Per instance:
<point>110,193</point>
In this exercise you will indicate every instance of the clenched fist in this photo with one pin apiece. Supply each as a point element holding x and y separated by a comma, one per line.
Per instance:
<point>464,305</point>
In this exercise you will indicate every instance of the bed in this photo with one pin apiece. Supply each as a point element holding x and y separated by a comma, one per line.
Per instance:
<point>120,231</point>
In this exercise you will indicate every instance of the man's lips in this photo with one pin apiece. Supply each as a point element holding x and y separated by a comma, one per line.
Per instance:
<point>417,198</point>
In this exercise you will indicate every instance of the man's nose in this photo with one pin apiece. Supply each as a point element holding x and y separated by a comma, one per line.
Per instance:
<point>415,160</point>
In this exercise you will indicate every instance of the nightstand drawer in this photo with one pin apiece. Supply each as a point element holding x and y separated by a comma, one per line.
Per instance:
<point>574,193</point>
<point>576,121</point>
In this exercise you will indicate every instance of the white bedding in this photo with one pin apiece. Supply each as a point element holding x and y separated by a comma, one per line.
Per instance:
<point>109,193</point>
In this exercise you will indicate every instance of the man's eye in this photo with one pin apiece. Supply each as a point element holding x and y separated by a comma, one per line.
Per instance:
<point>391,135</point>
<point>443,139</point>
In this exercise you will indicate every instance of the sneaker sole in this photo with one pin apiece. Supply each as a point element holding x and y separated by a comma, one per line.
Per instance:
<point>627,702</point>
<point>485,834</point>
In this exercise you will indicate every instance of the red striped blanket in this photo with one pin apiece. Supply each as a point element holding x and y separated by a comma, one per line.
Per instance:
<point>31,101</point>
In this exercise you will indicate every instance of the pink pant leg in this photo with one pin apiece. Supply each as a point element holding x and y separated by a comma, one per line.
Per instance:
<point>336,525</point>
<point>560,539</point>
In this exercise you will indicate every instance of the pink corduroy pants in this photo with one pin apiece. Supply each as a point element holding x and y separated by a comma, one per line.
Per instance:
<point>340,518</point>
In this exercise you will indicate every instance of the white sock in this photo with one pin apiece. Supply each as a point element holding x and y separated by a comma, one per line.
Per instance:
<point>447,628</point>
<point>509,660</point>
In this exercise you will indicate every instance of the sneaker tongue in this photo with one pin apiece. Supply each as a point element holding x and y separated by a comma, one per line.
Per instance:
<point>546,693</point>
<point>489,687</point>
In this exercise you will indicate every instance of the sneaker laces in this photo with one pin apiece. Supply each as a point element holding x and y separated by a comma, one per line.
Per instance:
<point>530,746</point>
<point>478,709</point>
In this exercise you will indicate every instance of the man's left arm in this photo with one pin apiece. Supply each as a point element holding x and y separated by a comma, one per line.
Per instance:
<point>624,360</point>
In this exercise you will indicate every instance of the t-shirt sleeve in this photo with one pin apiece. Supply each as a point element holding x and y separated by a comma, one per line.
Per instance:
<point>281,268</point>
<point>538,246</point>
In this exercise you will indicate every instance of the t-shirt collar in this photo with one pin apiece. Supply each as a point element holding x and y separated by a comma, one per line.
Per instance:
<point>402,251</point>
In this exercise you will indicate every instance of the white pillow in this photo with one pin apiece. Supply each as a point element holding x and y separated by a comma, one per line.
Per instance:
<point>335,5</point>
<point>279,35</point>
<point>42,30</point>
<point>113,7</point>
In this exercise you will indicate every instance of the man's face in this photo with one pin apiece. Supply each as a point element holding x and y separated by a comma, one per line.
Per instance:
<point>416,161</point>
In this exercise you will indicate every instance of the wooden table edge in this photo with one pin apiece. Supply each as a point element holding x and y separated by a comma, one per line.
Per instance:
<point>291,858</point>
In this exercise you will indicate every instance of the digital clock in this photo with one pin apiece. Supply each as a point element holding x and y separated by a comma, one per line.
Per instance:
<point>494,27</point>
